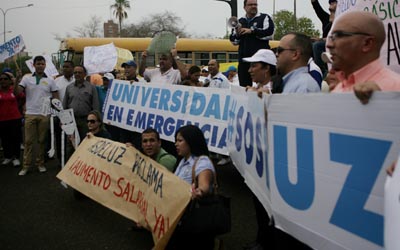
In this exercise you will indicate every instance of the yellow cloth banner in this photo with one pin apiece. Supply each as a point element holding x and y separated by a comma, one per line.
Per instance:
<point>130,183</point>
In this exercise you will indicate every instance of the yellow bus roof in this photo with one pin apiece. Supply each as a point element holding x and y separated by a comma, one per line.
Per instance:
<point>141,44</point>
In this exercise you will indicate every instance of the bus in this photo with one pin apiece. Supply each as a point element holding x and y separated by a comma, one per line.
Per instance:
<point>191,51</point>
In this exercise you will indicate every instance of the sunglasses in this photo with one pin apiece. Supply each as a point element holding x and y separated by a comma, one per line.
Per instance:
<point>91,121</point>
<point>280,50</point>
<point>4,78</point>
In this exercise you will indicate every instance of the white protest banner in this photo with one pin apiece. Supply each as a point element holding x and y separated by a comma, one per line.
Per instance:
<point>129,183</point>
<point>392,209</point>
<point>11,48</point>
<point>327,159</point>
<point>246,140</point>
<point>166,108</point>
<point>327,156</point>
<point>50,69</point>
<point>100,59</point>
<point>389,12</point>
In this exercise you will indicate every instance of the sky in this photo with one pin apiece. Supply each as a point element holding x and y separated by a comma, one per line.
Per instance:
<point>39,24</point>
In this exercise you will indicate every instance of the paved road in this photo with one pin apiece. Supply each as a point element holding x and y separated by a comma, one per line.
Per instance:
<point>37,213</point>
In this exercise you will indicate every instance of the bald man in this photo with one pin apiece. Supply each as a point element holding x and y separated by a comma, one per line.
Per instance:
<point>355,44</point>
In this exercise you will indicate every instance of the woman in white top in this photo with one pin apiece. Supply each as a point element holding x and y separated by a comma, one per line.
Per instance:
<point>262,68</point>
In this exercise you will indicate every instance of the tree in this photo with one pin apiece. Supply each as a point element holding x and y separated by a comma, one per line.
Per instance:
<point>284,23</point>
<point>93,28</point>
<point>165,21</point>
<point>120,7</point>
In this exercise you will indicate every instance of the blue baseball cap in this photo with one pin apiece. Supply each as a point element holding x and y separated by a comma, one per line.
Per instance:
<point>231,68</point>
<point>129,63</point>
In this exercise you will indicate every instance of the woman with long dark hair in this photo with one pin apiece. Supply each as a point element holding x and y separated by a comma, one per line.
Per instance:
<point>192,147</point>
<point>192,78</point>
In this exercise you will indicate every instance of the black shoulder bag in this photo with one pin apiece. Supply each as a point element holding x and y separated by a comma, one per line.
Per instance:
<point>209,214</point>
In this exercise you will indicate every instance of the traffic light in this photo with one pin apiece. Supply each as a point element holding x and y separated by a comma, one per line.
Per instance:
<point>233,4</point>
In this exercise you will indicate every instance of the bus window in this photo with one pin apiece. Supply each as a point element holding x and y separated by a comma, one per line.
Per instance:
<point>219,56</point>
<point>201,58</point>
<point>185,57</point>
<point>233,57</point>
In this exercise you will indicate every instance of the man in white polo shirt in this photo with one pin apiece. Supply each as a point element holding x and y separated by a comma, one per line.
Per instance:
<point>165,74</point>
<point>36,86</point>
<point>217,79</point>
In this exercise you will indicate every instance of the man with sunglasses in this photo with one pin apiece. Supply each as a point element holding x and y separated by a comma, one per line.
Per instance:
<point>292,57</point>
<point>252,33</point>
<point>355,44</point>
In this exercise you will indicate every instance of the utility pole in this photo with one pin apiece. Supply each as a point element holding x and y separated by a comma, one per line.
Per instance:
<point>5,13</point>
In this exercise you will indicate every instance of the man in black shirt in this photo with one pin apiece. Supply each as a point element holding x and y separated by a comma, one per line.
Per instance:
<point>252,33</point>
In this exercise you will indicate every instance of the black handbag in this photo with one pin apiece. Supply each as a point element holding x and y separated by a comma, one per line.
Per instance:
<point>211,214</point>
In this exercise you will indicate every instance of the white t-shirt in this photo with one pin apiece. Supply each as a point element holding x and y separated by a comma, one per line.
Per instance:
<point>219,81</point>
<point>35,92</point>
<point>171,76</point>
<point>62,84</point>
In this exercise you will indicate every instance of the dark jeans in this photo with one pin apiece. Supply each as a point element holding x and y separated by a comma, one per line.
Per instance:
<point>11,137</point>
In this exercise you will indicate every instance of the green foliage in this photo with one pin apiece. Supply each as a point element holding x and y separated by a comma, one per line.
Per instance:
<point>285,23</point>
<point>10,63</point>
<point>120,7</point>
<point>147,27</point>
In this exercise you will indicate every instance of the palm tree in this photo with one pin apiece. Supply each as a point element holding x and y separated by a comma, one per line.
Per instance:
<point>119,11</point>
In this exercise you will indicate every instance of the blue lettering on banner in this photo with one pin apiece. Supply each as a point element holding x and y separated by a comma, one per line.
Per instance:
<point>154,98</point>
<point>129,117</point>
<point>198,104</point>
<point>176,101</point>
<point>129,94</point>
<point>253,141</point>
<point>164,99</point>
<point>299,195</point>
<point>115,113</point>
<point>168,127</point>
<point>125,93</point>
<point>238,139</point>
<point>213,107</point>
<point>231,115</point>
<point>248,145</point>
<point>158,123</point>
<point>259,153</point>
<point>366,157</point>
<point>140,121</point>
<point>145,95</point>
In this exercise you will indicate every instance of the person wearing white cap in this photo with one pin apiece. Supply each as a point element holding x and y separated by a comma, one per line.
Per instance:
<point>292,55</point>
<point>102,90</point>
<point>262,68</point>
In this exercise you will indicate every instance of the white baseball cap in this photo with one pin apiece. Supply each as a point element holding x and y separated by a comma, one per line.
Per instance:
<point>262,55</point>
<point>109,76</point>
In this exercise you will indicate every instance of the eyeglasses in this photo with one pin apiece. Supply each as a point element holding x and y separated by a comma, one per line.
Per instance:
<point>280,50</point>
<point>3,78</point>
<point>91,121</point>
<point>339,34</point>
